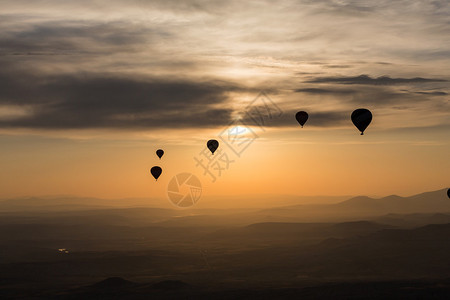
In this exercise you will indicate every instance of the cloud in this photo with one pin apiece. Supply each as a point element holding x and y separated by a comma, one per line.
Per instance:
<point>337,66</point>
<point>382,92</point>
<point>437,93</point>
<point>80,60</point>
<point>324,91</point>
<point>102,100</point>
<point>75,37</point>
<point>365,79</point>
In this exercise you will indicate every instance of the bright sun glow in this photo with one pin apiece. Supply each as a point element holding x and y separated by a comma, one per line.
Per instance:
<point>237,130</point>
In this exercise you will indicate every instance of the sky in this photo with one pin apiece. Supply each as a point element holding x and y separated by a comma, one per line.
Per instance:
<point>90,89</point>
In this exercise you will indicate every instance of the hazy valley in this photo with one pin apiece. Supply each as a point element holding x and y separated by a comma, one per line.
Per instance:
<point>57,250</point>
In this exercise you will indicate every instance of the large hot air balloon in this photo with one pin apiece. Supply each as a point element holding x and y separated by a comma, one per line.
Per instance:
<point>156,172</point>
<point>361,118</point>
<point>302,117</point>
<point>212,145</point>
<point>160,153</point>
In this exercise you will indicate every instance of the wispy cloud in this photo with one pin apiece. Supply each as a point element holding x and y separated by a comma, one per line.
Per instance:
<point>111,64</point>
<point>365,79</point>
<point>324,91</point>
<point>436,93</point>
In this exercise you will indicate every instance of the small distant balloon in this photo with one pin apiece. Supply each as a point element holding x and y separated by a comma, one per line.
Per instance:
<point>160,153</point>
<point>212,145</point>
<point>302,117</point>
<point>361,118</point>
<point>156,172</point>
<point>448,193</point>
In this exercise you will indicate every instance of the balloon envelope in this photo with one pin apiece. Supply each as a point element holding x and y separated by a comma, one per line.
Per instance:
<point>302,117</point>
<point>212,145</point>
<point>361,118</point>
<point>160,153</point>
<point>156,172</point>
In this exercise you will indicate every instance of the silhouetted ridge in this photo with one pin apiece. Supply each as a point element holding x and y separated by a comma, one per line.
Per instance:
<point>113,282</point>
<point>280,225</point>
<point>361,225</point>
<point>429,202</point>
<point>358,200</point>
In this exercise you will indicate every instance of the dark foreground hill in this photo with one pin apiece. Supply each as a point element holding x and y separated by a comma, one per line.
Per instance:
<point>379,262</point>
<point>411,289</point>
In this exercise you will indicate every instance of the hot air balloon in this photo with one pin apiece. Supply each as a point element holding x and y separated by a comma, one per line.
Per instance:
<point>212,145</point>
<point>302,117</point>
<point>361,118</point>
<point>156,172</point>
<point>160,153</point>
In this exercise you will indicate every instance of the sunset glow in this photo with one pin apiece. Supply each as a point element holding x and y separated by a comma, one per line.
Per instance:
<point>90,90</point>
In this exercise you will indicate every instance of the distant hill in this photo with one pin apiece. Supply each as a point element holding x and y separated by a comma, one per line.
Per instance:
<point>109,216</point>
<point>364,207</point>
<point>113,282</point>
<point>291,233</point>
<point>414,220</point>
<point>429,202</point>
<point>61,203</point>
<point>421,252</point>
<point>72,210</point>
<point>386,254</point>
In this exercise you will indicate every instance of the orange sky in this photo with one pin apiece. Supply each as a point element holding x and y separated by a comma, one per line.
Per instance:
<point>305,162</point>
<point>89,90</point>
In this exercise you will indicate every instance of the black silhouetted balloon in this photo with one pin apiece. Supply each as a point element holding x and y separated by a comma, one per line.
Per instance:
<point>156,172</point>
<point>361,118</point>
<point>160,153</point>
<point>302,117</point>
<point>448,193</point>
<point>212,145</point>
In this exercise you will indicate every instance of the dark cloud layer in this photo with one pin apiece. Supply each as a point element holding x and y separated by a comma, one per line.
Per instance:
<point>324,91</point>
<point>436,93</point>
<point>109,101</point>
<point>365,79</point>
<point>114,100</point>
<point>104,100</point>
